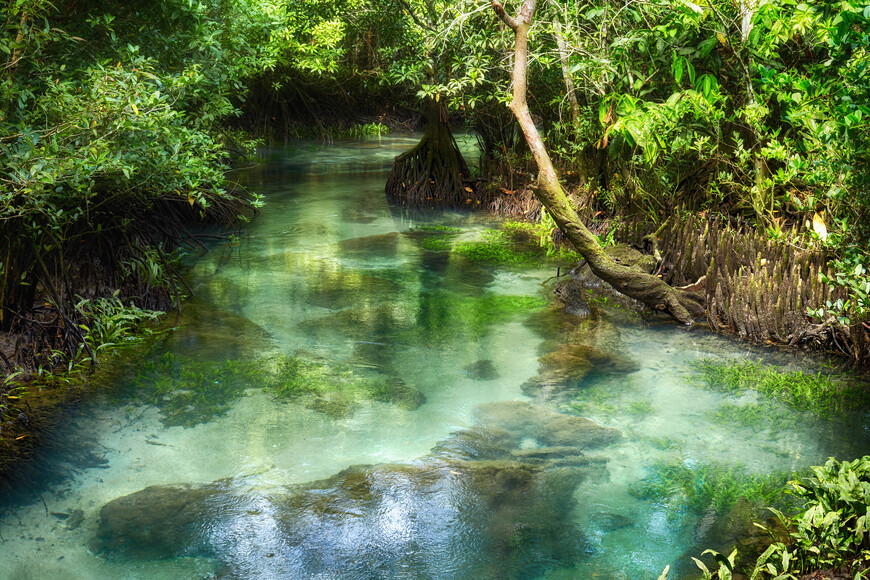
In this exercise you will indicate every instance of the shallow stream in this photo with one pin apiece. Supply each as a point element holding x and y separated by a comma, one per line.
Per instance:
<point>338,331</point>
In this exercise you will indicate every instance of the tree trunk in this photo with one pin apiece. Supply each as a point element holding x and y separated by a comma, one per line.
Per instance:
<point>434,169</point>
<point>683,304</point>
<point>566,75</point>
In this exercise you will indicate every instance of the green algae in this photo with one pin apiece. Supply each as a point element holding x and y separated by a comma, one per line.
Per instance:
<point>512,244</point>
<point>190,392</point>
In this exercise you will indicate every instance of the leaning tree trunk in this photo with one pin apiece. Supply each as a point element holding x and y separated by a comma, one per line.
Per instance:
<point>682,303</point>
<point>434,168</point>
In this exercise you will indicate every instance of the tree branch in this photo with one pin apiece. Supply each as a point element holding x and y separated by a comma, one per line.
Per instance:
<point>506,18</point>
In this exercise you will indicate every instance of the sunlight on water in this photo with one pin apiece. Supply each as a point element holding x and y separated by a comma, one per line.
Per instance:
<point>343,402</point>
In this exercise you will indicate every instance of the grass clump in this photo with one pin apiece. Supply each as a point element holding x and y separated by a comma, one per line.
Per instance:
<point>831,532</point>
<point>701,488</point>
<point>818,394</point>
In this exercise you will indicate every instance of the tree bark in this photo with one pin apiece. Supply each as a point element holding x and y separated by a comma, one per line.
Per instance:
<point>683,304</point>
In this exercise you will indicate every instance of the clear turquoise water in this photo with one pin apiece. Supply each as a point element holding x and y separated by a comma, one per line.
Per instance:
<point>329,270</point>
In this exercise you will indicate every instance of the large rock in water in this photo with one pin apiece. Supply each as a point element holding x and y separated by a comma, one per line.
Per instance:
<point>484,504</point>
<point>563,370</point>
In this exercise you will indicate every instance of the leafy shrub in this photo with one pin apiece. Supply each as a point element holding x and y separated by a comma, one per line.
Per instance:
<point>833,531</point>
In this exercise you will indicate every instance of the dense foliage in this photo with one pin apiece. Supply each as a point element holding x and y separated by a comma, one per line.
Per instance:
<point>110,140</point>
<point>114,112</point>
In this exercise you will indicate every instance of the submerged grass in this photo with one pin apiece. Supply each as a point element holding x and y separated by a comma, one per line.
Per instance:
<point>712,486</point>
<point>819,394</point>
<point>768,414</point>
<point>446,316</point>
<point>497,247</point>
<point>190,392</point>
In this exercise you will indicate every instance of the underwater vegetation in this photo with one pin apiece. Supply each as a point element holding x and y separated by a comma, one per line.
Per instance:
<point>444,316</point>
<point>768,414</point>
<point>712,486</point>
<point>513,244</point>
<point>335,388</point>
<point>602,400</point>
<point>819,394</point>
<point>189,392</point>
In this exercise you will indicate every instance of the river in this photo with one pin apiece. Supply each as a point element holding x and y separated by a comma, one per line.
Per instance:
<point>337,331</point>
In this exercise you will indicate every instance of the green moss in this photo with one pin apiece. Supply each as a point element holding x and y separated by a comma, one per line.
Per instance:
<point>437,228</point>
<point>819,394</point>
<point>712,486</point>
<point>497,247</point>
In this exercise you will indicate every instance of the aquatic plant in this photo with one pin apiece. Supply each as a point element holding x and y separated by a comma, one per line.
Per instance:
<point>294,377</point>
<point>497,247</point>
<point>445,316</point>
<point>818,393</point>
<point>641,408</point>
<point>723,571</point>
<point>711,486</point>
<point>190,392</point>
<point>767,414</point>
<point>113,323</point>
<point>334,388</point>
<point>437,228</point>
<point>542,232</point>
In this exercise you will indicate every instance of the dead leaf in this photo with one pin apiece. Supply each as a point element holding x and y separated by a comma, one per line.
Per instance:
<point>469,190</point>
<point>819,226</point>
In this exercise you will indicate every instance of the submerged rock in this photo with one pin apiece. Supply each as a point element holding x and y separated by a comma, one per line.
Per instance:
<point>482,370</point>
<point>563,370</point>
<point>483,504</point>
<point>545,427</point>
<point>443,519</point>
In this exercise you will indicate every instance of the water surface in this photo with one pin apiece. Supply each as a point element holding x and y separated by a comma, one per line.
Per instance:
<point>460,482</point>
